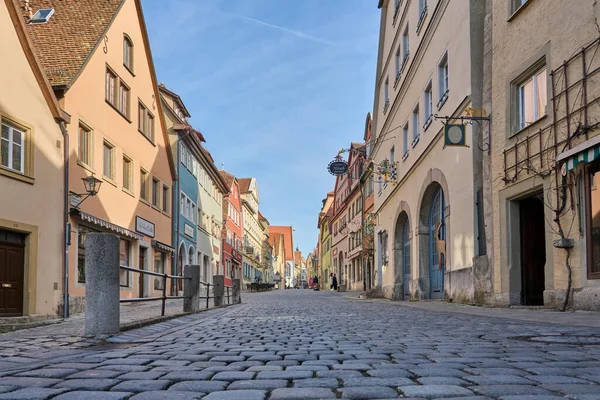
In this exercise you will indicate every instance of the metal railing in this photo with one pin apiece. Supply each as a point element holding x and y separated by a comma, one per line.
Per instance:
<point>228,295</point>
<point>208,296</point>
<point>164,296</point>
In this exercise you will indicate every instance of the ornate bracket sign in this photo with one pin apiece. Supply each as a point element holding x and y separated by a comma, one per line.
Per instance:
<point>454,135</point>
<point>338,166</point>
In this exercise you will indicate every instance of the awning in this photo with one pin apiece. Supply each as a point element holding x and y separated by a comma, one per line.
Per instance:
<point>162,246</point>
<point>587,151</point>
<point>105,224</point>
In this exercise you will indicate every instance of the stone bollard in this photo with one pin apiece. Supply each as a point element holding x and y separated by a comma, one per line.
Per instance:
<point>102,284</point>
<point>191,288</point>
<point>236,289</point>
<point>219,289</point>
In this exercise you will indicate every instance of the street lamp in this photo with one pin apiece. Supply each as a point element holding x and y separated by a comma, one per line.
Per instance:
<point>92,187</point>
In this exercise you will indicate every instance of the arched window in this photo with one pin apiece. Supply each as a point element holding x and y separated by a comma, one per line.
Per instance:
<point>128,53</point>
<point>190,260</point>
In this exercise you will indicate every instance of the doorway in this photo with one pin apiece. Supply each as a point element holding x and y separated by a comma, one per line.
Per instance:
<point>532,226</point>
<point>12,267</point>
<point>436,261</point>
<point>142,266</point>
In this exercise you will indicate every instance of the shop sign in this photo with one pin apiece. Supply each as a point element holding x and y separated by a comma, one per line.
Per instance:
<point>188,230</point>
<point>144,226</point>
<point>338,166</point>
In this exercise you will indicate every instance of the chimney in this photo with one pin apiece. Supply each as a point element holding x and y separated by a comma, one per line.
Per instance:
<point>28,9</point>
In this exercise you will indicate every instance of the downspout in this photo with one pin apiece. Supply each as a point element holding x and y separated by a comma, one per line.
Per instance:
<point>178,202</point>
<point>66,225</point>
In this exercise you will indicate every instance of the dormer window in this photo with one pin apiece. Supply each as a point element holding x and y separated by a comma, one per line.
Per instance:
<point>128,53</point>
<point>42,16</point>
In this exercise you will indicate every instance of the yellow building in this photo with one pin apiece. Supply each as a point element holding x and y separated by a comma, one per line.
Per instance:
<point>324,224</point>
<point>103,75</point>
<point>32,201</point>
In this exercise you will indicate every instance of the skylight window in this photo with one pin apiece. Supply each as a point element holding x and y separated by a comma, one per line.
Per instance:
<point>42,16</point>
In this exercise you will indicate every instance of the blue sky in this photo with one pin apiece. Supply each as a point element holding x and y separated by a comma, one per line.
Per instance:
<point>277,87</point>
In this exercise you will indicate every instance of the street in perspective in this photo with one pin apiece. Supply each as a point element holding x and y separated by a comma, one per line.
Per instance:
<point>295,200</point>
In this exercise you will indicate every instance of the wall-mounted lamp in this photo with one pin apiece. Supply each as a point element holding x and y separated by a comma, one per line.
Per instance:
<point>92,187</point>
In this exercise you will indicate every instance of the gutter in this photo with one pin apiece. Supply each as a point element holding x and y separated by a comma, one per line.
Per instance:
<point>66,225</point>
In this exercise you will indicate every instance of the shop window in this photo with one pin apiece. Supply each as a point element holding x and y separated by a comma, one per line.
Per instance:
<point>159,268</point>
<point>593,222</point>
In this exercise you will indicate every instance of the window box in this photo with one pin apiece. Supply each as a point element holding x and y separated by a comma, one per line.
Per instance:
<point>415,141</point>
<point>421,19</point>
<point>405,156</point>
<point>428,122</point>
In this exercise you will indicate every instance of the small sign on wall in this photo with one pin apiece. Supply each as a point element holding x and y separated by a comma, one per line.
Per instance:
<point>188,230</point>
<point>144,226</point>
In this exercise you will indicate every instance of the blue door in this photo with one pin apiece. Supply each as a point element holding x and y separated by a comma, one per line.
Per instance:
<point>406,258</point>
<point>436,272</point>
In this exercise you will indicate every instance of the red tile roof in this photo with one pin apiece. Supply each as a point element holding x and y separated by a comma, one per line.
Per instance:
<point>64,44</point>
<point>286,231</point>
<point>227,177</point>
<point>244,184</point>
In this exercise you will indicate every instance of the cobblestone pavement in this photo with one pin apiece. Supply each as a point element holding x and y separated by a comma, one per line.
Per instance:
<point>300,344</point>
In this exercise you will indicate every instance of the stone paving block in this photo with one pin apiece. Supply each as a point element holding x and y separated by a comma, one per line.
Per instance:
<point>32,393</point>
<point>95,374</point>
<point>366,381</point>
<point>368,392</point>
<point>159,363</point>
<point>551,379</point>
<point>330,383</point>
<point>4,388</point>
<point>199,386</point>
<point>176,376</point>
<point>495,371</point>
<point>337,357</point>
<point>228,358</point>
<point>141,385</point>
<point>27,382</point>
<point>301,357</point>
<point>267,368</point>
<point>88,384</point>
<point>233,376</point>
<point>245,364</point>
<point>93,395</point>
<point>191,357</point>
<point>288,375</point>
<point>509,390</point>
<point>225,368</point>
<point>302,394</point>
<point>258,384</point>
<point>443,380</point>
<point>498,380</point>
<point>75,365</point>
<point>440,372</point>
<point>125,368</point>
<point>205,364</point>
<point>327,363</point>
<point>237,395</point>
<point>142,375</point>
<point>355,367</point>
<point>389,373</point>
<point>570,389</point>
<point>48,373</point>
<point>435,391</point>
<point>125,361</point>
<point>339,374</point>
<point>167,395</point>
<point>554,371</point>
<point>283,363</point>
<point>535,397</point>
<point>313,368</point>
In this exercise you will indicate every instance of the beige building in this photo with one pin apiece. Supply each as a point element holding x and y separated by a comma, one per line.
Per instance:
<point>252,240</point>
<point>103,75</point>
<point>426,209</point>
<point>542,96</point>
<point>31,169</point>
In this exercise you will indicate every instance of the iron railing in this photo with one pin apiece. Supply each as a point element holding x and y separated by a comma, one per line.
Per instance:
<point>208,296</point>
<point>228,295</point>
<point>164,296</point>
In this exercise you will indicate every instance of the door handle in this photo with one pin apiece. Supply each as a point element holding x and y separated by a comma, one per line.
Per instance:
<point>8,285</point>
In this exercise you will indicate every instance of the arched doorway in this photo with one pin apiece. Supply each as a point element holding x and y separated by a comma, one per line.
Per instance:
<point>180,260</point>
<point>341,267</point>
<point>437,262</point>
<point>402,257</point>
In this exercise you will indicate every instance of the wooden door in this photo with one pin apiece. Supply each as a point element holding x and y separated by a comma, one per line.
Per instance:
<point>406,259</point>
<point>11,279</point>
<point>533,250</point>
<point>436,264</point>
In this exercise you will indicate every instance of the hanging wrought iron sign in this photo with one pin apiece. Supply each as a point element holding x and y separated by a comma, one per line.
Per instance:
<point>338,166</point>
<point>454,135</point>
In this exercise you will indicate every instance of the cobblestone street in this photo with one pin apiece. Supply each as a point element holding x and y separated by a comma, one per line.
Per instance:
<point>300,344</point>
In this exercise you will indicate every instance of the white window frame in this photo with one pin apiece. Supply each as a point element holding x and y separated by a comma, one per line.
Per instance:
<point>416,134</point>
<point>443,80</point>
<point>533,77</point>
<point>11,143</point>
<point>428,104</point>
<point>405,140</point>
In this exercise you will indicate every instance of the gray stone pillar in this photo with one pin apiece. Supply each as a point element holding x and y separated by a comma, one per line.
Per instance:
<point>236,291</point>
<point>219,289</point>
<point>102,288</point>
<point>191,288</point>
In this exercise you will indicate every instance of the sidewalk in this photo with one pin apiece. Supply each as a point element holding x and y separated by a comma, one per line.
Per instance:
<point>541,315</point>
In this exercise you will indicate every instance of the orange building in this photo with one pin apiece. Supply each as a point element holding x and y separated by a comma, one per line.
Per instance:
<point>232,228</point>
<point>103,75</point>
<point>288,244</point>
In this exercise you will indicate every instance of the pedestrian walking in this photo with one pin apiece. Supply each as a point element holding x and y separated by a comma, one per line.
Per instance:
<point>331,281</point>
<point>334,283</point>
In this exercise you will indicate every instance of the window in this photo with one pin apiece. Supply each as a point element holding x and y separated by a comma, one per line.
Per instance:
<point>415,125</point>
<point>532,99</point>
<point>144,185</point>
<point>84,152</point>
<point>12,147</point>
<point>127,174</point>
<point>392,151</point>
<point>405,46</point>
<point>165,199</point>
<point>383,239</point>
<point>111,80</point>
<point>405,140</point>
<point>386,93</point>
<point>443,80</point>
<point>159,268</point>
<point>516,4</point>
<point>123,99</point>
<point>155,192</point>
<point>82,235</point>
<point>422,12</point>
<point>593,221</point>
<point>146,123</point>
<point>128,53</point>
<point>124,262</point>
<point>398,62</point>
<point>428,105</point>
<point>108,156</point>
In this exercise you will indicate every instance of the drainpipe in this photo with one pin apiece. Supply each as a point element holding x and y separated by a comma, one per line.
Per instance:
<point>66,225</point>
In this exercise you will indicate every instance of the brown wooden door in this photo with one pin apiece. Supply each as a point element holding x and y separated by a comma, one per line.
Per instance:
<point>11,279</point>
<point>533,251</point>
<point>141,265</point>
